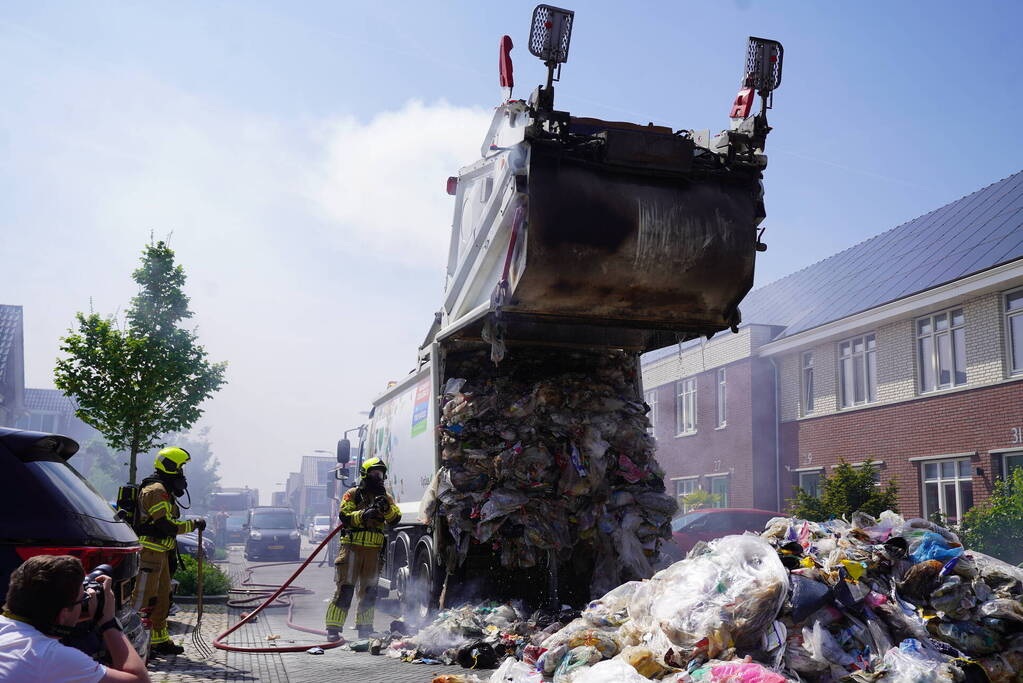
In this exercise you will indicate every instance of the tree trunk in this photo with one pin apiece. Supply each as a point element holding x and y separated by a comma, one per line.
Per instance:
<point>131,463</point>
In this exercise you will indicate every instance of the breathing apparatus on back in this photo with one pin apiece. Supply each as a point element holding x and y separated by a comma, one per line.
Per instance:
<point>168,471</point>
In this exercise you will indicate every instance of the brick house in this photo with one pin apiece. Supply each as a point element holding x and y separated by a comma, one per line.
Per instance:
<point>906,349</point>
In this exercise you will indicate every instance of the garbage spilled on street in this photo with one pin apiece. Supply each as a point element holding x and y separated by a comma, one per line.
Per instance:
<point>884,600</point>
<point>548,459</point>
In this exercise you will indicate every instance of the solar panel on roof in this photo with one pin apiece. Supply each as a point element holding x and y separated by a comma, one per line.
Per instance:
<point>976,232</point>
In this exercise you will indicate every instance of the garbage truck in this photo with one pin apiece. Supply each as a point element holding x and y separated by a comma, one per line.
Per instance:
<point>517,448</point>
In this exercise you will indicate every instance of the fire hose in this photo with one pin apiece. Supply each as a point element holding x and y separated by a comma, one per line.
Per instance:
<point>258,590</point>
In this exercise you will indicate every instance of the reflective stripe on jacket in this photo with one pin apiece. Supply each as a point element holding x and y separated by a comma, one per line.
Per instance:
<point>367,534</point>
<point>157,506</point>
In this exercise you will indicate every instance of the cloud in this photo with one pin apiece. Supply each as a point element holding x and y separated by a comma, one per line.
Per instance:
<point>383,181</point>
<point>282,226</point>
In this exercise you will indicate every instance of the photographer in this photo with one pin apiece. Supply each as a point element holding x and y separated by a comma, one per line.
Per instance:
<point>45,600</point>
<point>366,512</point>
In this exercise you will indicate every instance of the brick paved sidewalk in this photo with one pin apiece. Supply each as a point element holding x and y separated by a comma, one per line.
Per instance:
<point>286,667</point>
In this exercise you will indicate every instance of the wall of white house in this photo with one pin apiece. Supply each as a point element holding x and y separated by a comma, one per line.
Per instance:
<point>897,362</point>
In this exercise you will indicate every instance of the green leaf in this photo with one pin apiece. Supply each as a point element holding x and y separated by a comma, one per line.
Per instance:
<point>138,384</point>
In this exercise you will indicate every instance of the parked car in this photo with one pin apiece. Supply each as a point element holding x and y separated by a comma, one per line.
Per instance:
<point>236,527</point>
<point>272,531</point>
<point>710,523</point>
<point>319,528</point>
<point>48,508</point>
<point>188,544</point>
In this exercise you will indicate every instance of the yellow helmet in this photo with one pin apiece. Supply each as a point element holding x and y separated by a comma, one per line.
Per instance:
<point>171,460</point>
<point>373,464</point>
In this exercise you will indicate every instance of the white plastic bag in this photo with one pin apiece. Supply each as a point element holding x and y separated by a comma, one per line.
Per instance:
<point>730,595</point>
<point>514,671</point>
<point>609,671</point>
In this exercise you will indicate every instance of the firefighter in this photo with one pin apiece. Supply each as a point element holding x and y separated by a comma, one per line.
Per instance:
<point>157,526</point>
<point>366,511</point>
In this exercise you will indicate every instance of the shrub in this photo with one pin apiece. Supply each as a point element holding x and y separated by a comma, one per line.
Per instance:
<point>996,527</point>
<point>849,489</point>
<point>215,581</point>
<point>700,499</point>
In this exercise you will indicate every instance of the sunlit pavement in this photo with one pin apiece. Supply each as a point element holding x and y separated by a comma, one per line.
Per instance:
<point>298,667</point>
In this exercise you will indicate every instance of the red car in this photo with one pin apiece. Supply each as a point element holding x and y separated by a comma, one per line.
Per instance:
<point>710,523</point>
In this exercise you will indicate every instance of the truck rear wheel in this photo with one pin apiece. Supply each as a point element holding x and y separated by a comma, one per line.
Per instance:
<point>417,582</point>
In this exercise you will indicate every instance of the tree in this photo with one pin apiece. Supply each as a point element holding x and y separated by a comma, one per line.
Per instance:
<point>148,379</point>
<point>995,527</point>
<point>699,499</point>
<point>849,489</point>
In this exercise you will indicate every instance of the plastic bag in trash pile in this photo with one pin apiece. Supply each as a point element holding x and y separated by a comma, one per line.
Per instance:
<point>873,600</point>
<point>550,454</point>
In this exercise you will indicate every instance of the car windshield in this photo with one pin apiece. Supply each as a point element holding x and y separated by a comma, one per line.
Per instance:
<point>235,522</point>
<point>81,496</point>
<point>685,521</point>
<point>273,520</point>
<point>321,521</point>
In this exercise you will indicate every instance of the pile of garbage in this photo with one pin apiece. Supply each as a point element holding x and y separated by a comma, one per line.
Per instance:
<point>475,636</point>
<point>547,459</point>
<point>872,600</point>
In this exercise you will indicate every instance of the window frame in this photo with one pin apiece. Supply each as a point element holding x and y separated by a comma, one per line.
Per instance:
<point>1009,317</point>
<point>728,490</point>
<point>685,397</point>
<point>1005,461</point>
<point>867,355</point>
<point>721,395</point>
<point>818,472</point>
<point>682,482</point>
<point>941,481</point>
<point>935,352</point>
<point>650,396</point>
<point>806,387</point>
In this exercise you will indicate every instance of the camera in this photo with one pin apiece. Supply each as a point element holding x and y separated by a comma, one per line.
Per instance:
<point>91,582</point>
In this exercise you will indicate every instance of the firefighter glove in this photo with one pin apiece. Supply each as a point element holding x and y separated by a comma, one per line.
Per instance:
<point>199,524</point>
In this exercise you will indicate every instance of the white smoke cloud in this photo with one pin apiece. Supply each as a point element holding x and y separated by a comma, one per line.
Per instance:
<point>383,181</point>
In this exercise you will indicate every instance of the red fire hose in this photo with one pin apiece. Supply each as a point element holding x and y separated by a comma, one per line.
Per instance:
<point>288,600</point>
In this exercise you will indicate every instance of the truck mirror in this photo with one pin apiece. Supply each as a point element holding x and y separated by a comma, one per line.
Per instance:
<point>344,451</point>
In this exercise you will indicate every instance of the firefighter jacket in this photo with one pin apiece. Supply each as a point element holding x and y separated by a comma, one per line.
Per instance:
<point>158,518</point>
<point>367,533</point>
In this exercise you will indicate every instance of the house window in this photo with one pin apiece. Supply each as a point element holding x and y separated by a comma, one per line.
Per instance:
<point>683,487</point>
<point>722,415</point>
<point>941,350</point>
<point>948,488</point>
<point>1014,328</point>
<point>811,482</point>
<point>807,385</point>
<point>651,400</point>
<point>719,487</point>
<point>38,422</point>
<point>857,360</point>
<point>1012,461</point>
<point>685,407</point>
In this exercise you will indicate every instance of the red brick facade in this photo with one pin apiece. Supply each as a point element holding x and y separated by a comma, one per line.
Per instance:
<point>744,447</point>
<point>976,420</point>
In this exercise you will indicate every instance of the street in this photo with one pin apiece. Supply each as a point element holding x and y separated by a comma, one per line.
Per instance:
<point>287,667</point>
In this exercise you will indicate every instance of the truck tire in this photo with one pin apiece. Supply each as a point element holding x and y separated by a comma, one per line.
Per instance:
<point>421,592</point>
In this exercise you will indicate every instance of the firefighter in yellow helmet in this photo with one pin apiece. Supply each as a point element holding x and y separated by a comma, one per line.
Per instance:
<point>366,513</point>
<point>157,525</point>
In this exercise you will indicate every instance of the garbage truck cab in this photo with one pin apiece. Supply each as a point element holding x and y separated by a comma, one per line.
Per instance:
<point>596,240</point>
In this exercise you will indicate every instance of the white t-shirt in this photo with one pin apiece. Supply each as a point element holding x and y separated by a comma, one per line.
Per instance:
<point>29,656</point>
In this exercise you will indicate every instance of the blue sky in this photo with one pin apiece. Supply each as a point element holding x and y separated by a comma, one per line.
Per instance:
<point>296,152</point>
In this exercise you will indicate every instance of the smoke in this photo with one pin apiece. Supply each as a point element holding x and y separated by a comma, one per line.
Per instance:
<point>382,182</point>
